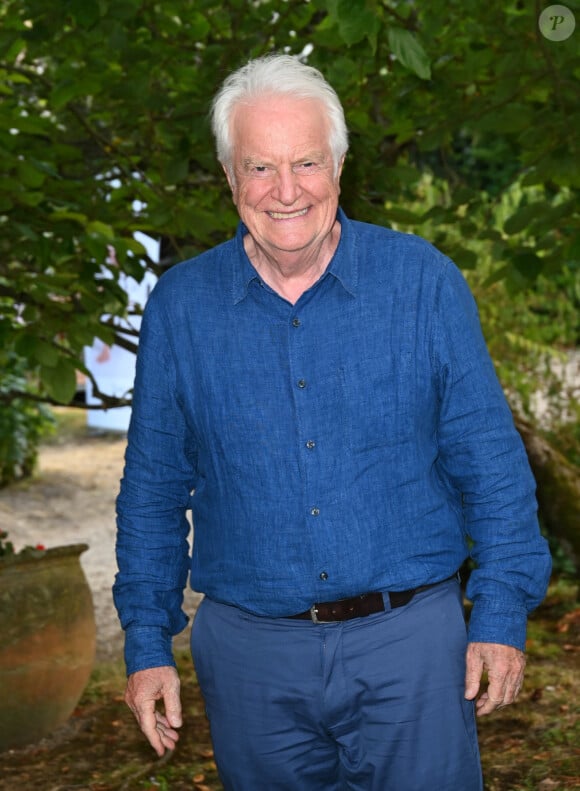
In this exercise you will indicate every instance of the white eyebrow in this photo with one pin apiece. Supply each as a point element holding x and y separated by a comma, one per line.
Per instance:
<point>251,161</point>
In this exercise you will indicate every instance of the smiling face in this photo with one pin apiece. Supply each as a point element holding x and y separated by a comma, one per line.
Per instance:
<point>284,186</point>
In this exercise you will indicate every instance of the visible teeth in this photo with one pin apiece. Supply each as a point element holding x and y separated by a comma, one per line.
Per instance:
<point>277,215</point>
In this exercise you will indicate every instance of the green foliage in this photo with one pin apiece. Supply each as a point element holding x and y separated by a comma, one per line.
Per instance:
<point>563,565</point>
<point>104,131</point>
<point>8,554</point>
<point>565,435</point>
<point>529,745</point>
<point>531,321</point>
<point>22,423</point>
<point>6,547</point>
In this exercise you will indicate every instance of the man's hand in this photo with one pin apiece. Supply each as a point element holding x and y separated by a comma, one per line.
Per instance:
<point>505,674</point>
<point>144,689</point>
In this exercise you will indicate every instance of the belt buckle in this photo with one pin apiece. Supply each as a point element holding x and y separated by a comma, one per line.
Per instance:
<point>314,614</point>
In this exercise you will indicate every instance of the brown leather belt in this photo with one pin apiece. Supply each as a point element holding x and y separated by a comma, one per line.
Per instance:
<point>360,606</point>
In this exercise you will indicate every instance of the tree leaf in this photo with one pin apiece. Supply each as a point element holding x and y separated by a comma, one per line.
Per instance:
<point>60,380</point>
<point>408,50</point>
<point>30,175</point>
<point>399,214</point>
<point>101,229</point>
<point>355,22</point>
<point>496,277</point>
<point>45,354</point>
<point>527,264</point>
<point>523,216</point>
<point>62,214</point>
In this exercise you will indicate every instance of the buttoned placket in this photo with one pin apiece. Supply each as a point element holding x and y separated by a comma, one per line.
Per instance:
<point>309,443</point>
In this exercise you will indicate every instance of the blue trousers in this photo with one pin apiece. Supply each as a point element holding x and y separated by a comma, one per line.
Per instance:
<point>371,704</point>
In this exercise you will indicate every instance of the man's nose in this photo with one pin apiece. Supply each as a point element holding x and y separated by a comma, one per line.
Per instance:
<point>287,188</point>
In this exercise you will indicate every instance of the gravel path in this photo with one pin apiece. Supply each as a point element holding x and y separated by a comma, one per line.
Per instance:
<point>71,500</point>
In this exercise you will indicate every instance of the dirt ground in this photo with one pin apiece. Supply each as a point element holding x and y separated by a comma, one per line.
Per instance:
<point>529,747</point>
<point>71,500</point>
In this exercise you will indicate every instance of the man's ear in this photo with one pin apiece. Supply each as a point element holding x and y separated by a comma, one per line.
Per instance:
<point>231,180</point>
<point>339,173</point>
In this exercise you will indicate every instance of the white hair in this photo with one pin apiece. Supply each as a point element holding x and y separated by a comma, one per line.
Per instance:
<point>277,75</point>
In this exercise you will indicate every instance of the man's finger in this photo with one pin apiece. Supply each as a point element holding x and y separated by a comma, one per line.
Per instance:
<point>486,704</point>
<point>147,720</point>
<point>505,671</point>
<point>172,701</point>
<point>473,673</point>
<point>145,690</point>
<point>166,734</point>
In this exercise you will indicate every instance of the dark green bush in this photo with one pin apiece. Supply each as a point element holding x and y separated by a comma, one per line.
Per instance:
<point>23,422</point>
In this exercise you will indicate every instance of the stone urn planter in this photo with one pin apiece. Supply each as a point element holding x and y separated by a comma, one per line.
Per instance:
<point>47,641</point>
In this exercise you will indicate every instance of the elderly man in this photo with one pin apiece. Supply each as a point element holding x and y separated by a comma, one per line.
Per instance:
<point>318,392</point>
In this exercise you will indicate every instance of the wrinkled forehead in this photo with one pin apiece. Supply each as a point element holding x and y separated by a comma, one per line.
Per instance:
<point>280,123</point>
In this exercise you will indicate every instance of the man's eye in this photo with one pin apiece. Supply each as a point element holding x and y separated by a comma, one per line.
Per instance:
<point>260,171</point>
<point>307,167</point>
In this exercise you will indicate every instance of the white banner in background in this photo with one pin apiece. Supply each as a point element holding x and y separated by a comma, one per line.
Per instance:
<point>112,366</point>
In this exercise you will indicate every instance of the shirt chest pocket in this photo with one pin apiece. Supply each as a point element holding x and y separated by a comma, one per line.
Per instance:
<point>380,397</point>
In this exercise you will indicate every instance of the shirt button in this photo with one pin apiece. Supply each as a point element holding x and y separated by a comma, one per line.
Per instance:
<point>302,383</point>
<point>323,575</point>
<point>315,511</point>
<point>296,322</point>
<point>310,444</point>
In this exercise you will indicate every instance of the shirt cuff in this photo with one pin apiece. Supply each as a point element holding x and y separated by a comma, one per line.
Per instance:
<point>147,647</point>
<point>489,624</point>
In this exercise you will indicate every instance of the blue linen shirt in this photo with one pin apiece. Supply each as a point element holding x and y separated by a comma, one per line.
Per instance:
<point>356,441</point>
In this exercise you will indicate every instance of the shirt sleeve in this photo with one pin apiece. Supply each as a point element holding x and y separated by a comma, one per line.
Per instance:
<point>152,528</point>
<point>482,457</point>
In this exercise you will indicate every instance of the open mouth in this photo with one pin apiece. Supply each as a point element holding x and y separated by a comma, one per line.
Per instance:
<point>278,215</point>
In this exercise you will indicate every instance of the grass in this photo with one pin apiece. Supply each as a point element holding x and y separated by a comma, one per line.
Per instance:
<point>535,744</point>
<point>70,425</point>
<point>531,746</point>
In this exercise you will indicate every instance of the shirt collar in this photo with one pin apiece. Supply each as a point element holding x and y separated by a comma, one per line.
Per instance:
<point>344,263</point>
<point>242,271</point>
<point>343,266</point>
